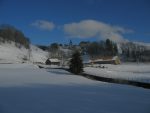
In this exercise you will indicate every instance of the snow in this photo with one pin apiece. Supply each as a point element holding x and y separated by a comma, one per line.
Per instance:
<point>129,71</point>
<point>29,74</point>
<point>9,53</point>
<point>38,55</point>
<point>24,88</point>
<point>115,58</point>
<point>54,60</point>
<point>147,45</point>
<point>65,50</point>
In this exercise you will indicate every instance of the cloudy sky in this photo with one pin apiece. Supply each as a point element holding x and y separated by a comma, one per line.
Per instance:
<point>48,21</point>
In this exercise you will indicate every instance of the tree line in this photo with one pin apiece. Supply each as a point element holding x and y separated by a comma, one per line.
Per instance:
<point>9,33</point>
<point>101,48</point>
<point>134,52</point>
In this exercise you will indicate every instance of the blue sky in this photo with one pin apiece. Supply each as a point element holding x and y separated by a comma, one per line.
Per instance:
<point>48,21</point>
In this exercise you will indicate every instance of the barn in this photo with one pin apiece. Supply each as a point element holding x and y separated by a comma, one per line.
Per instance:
<point>115,60</point>
<point>53,61</point>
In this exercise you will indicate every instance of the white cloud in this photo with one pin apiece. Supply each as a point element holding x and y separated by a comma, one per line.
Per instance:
<point>92,28</point>
<point>43,25</point>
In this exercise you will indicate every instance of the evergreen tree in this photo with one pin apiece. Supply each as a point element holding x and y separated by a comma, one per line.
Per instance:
<point>115,49</point>
<point>76,65</point>
<point>109,47</point>
<point>128,53</point>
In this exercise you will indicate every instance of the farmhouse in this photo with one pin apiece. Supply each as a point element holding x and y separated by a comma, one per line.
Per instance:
<point>53,61</point>
<point>115,60</point>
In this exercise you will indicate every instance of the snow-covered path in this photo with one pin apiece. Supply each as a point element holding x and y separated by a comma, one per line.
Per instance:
<point>26,89</point>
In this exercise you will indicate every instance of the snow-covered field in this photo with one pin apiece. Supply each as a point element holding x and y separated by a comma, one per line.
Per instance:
<point>24,88</point>
<point>129,71</point>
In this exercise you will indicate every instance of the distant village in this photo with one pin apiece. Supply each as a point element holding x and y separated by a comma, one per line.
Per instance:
<point>102,52</point>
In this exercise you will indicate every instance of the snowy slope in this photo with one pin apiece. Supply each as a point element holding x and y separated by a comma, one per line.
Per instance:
<point>26,89</point>
<point>38,55</point>
<point>9,53</point>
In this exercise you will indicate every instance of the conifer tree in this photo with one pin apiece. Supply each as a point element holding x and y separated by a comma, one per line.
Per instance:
<point>76,65</point>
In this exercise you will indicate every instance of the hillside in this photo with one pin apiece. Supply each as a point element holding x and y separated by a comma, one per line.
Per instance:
<point>9,34</point>
<point>9,53</point>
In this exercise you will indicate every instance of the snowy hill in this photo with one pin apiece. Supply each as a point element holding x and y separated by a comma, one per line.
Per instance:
<point>9,53</point>
<point>38,55</point>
